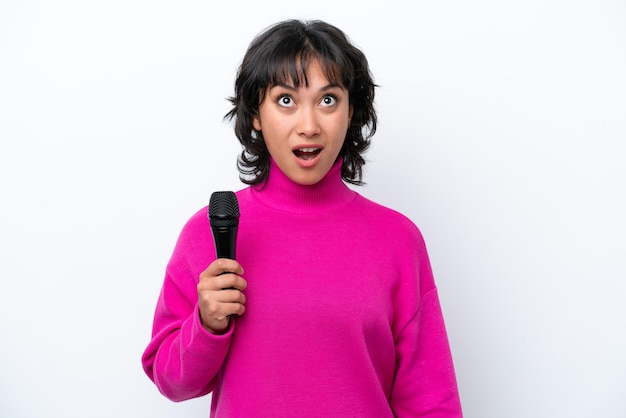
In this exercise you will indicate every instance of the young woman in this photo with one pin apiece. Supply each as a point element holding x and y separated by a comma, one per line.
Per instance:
<point>337,313</point>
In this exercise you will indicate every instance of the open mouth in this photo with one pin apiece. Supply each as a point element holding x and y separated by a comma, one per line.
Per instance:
<point>307,153</point>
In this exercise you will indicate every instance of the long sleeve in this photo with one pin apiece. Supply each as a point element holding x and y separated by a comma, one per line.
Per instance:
<point>342,314</point>
<point>183,359</point>
<point>425,383</point>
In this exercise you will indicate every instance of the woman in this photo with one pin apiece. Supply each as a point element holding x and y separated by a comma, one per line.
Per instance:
<point>338,314</point>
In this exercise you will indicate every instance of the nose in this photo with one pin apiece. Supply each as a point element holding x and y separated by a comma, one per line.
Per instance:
<point>308,124</point>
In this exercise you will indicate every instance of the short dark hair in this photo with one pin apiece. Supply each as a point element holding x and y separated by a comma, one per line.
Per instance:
<point>280,55</point>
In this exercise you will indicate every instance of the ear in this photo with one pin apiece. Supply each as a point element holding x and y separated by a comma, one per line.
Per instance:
<point>256,122</point>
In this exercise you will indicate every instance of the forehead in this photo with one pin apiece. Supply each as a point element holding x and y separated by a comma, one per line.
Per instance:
<point>297,71</point>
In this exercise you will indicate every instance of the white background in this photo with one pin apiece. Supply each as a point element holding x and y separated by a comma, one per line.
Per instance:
<point>502,135</point>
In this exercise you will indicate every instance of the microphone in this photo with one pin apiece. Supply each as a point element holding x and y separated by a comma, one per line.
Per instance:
<point>224,219</point>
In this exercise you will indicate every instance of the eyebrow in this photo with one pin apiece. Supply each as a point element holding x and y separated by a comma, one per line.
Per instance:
<point>327,87</point>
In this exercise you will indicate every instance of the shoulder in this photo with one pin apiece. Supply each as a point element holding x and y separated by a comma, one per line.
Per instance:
<point>387,217</point>
<point>397,237</point>
<point>391,228</point>
<point>199,221</point>
<point>195,241</point>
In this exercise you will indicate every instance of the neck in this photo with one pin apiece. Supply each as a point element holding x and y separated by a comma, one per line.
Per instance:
<point>280,192</point>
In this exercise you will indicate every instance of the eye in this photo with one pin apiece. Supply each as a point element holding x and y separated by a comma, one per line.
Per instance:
<point>328,100</point>
<point>285,101</point>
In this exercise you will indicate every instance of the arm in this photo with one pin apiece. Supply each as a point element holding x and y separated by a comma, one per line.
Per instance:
<point>425,383</point>
<point>185,355</point>
<point>183,358</point>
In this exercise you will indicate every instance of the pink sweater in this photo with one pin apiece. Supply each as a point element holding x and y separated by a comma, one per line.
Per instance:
<point>342,315</point>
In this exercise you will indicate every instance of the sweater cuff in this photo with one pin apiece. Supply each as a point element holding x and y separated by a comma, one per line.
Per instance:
<point>207,336</point>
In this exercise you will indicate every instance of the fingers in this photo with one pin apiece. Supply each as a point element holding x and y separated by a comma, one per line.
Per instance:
<point>232,296</point>
<point>222,281</point>
<point>217,306</point>
<point>224,265</point>
<point>220,294</point>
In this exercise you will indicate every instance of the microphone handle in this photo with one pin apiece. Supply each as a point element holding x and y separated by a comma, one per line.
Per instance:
<point>225,241</point>
<point>225,238</point>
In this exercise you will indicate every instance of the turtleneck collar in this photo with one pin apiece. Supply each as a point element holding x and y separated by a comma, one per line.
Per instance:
<point>280,192</point>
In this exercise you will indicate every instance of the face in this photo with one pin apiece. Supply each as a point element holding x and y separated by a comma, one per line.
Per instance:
<point>304,128</point>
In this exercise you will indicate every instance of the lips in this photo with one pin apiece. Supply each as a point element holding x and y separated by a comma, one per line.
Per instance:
<point>307,153</point>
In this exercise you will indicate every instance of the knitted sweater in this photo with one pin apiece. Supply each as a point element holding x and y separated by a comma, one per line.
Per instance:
<point>342,314</point>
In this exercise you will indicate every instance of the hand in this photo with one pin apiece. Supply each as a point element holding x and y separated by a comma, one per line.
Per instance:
<point>220,294</point>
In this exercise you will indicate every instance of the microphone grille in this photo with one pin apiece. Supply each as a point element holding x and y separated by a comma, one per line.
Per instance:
<point>224,209</point>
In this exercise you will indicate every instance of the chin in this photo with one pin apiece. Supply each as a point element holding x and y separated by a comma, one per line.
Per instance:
<point>307,180</point>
